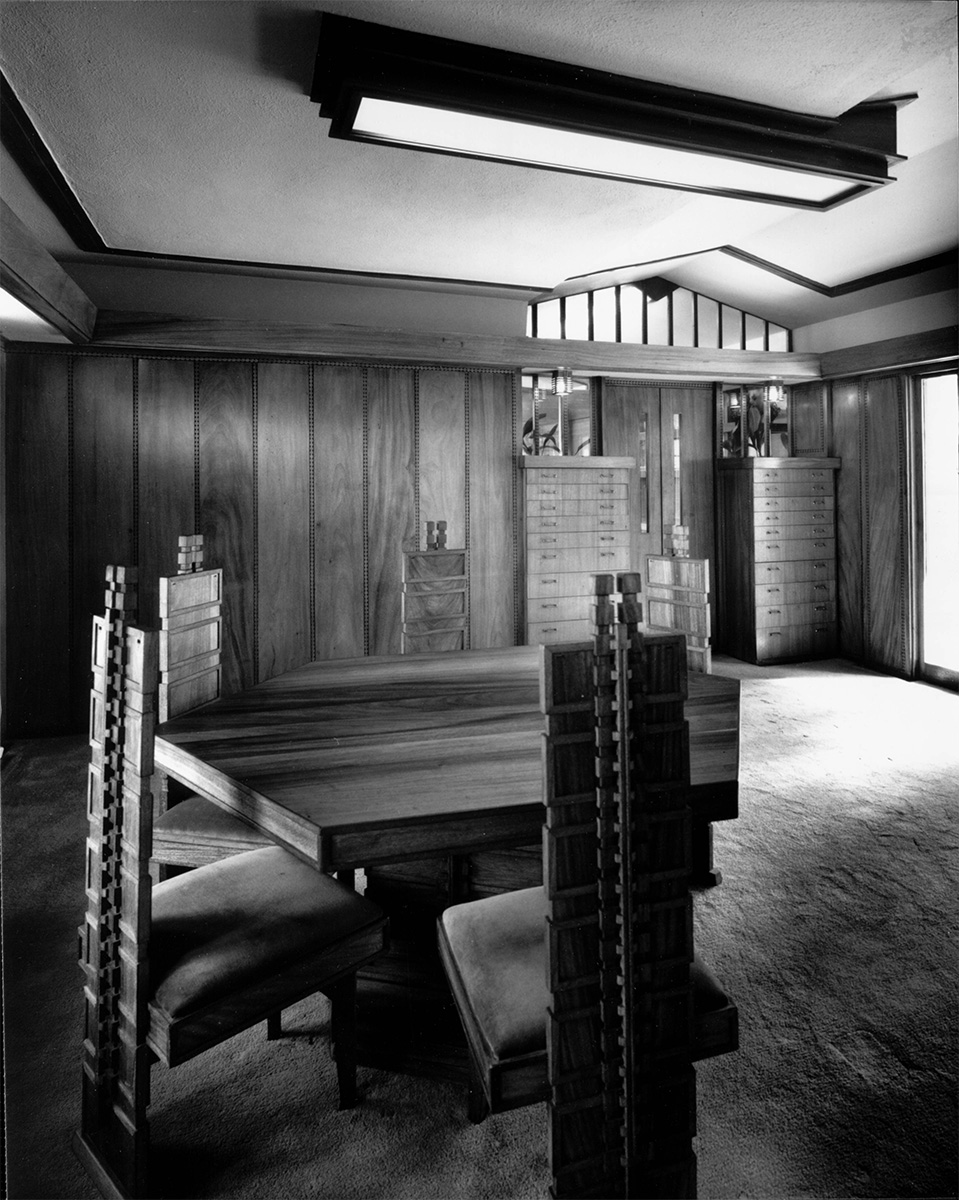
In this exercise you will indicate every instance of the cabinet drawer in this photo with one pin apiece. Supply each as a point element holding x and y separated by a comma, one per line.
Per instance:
<point>775,616</point>
<point>582,558</point>
<point>795,642</point>
<point>794,474</point>
<point>813,570</point>
<point>596,510</point>
<point>807,592</point>
<point>786,513</point>
<point>576,476</point>
<point>798,487</point>
<point>562,583</point>
<point>564,539</point>
<point>540,633</point>
<point>786,549</point>
<point>792,504</point>
<point>780,530</point>
<point>585,522</point>
<point>595,490</point>
<point>559,608</point>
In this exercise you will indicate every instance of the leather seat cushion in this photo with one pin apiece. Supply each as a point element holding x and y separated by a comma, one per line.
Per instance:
<point>196,818</point>
<point>225,926</point>
<point>498,946</point>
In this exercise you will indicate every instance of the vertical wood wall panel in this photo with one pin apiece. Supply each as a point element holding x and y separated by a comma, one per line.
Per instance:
<point>227,506</point>
<point>442,454</point>
<point>391,505</point>
<point>338,503</point>
<point>104,497</point>
<point>38,545</point>
<point>886,607</point>
<point>167,501</point>
<point>846,423</point>
<point>283,516</point>
<point>808,419</point>
<point>493,500</point>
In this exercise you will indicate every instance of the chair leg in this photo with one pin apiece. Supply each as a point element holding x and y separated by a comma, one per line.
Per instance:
<point>343,1037</point>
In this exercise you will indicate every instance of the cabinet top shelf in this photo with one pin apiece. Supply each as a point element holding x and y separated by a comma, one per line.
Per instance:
<point>551,462</point>
<point>780,464</point>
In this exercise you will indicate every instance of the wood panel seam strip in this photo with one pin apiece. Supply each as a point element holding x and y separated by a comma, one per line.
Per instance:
<point>255,432</point>
<point>311,426</point>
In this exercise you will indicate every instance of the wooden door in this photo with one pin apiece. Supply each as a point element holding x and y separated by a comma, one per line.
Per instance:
<point>669,429</point>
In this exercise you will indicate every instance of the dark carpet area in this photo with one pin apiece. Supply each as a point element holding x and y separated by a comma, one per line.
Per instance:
<point>834,929</point>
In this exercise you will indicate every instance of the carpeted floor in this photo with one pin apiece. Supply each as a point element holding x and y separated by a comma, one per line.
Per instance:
<point>834,929</point>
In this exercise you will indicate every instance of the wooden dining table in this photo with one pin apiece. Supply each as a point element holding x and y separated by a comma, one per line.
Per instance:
<point>388,763</point>
<point>353,762</point>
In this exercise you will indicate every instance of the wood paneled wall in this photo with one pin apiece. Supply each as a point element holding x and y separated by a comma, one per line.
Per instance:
<point>875,521</point>
<point>307,479</point>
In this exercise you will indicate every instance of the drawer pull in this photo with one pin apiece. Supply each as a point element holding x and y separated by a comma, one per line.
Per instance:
<point>817,474</point>
<point>547,606</point>
<point>606,492</point>
<point>605,522</point>
<point>774,612</point>
<point>821,587</point>
<point>774,633</point>
<point>817,487</point>
<point>549,629</point>
<point>772,589</point>
<point>819,566</point>
<point>773,547</point>
<point>550,507</point>
<point>821,545</point>
<point>606,538</point>
<point>551,541</point>
<point>551,524</point>
<point>549,581</point>
<point>607,506</point>
<point>550,556</point>
<point>774,533</point>
<point>776,569</point>
<point>820,608</point>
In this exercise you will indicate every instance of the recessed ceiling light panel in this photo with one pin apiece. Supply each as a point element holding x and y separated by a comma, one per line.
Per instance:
<point>397,88</point>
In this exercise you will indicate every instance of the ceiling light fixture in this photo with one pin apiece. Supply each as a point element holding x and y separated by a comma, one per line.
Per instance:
<point>397,88</point>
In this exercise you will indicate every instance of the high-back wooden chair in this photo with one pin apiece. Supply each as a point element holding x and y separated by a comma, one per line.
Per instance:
<point>435,595</point>
<point>677,600</point>
<point>586,992</point>
<point>189,830</point>
<point>174,969</point>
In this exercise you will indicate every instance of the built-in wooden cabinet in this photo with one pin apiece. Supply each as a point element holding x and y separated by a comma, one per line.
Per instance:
<point>778,558</point>
<point>577,526</point>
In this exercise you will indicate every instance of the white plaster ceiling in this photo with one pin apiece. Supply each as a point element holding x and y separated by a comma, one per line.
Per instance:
<point>186,128</point>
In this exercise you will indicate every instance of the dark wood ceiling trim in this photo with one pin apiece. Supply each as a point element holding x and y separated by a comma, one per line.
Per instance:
<point>37,280</point>
<point>934,345</point>
<point>31,155</point>
<point>947,259</point>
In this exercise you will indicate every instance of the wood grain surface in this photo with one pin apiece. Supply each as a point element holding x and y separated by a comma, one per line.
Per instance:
<point>227,509</point>
<point>38,617</point>
<point>354,762</point>
<point>283,517</point>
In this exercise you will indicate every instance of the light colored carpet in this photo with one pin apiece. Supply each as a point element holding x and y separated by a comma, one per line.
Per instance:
<point>834,928</point>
